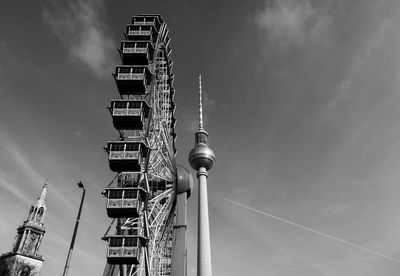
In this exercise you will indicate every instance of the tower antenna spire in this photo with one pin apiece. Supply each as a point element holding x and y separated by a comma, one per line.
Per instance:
<point>201,128</point>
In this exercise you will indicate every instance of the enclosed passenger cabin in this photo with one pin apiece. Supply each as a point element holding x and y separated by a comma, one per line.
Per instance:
<point>147,20</point>
<point>132,80</point>
<point>129,114</point>
<point>126,155</point>
<point>136,52</point>
<point>123,202</point>
<point>131,179</point>
<point>124,249</point>
<point>141,33</point>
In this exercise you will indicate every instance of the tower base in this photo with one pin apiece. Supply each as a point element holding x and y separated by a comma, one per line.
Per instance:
<point>14,264</point>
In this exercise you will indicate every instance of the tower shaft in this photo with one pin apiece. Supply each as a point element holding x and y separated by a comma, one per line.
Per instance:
<point>203,224</point>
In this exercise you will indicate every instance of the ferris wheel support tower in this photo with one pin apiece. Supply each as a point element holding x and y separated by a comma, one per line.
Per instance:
<point>179,253</point>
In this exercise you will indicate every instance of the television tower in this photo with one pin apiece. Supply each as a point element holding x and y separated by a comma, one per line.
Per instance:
<point>202,158</point>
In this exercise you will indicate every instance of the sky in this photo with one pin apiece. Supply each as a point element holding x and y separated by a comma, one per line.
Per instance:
<point>302,107</point>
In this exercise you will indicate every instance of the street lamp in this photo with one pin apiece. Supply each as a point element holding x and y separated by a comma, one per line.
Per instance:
<point>80,185</point>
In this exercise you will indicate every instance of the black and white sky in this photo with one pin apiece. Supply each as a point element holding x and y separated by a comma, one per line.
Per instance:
<point>302,107</point>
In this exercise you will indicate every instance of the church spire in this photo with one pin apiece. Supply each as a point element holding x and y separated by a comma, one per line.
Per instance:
<point>43,194</point>
<point>36,214</point>
<point>24,255</point>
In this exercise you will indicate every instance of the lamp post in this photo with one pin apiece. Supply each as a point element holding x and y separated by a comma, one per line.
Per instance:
<point>80,185</point>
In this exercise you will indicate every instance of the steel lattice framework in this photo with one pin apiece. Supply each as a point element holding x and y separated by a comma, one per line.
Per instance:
<point>141,198</point>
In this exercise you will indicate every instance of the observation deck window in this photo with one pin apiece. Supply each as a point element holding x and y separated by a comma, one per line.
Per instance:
<point>135,105</point>
<point>120,104</point>
<point>130,194</point>
<point>140,30</point>
<point>131,70</point>
<point>136,145</point>
<point>132,147</point>
<point>137,44</point>
<point>115,194</point>
<point>127,104</point>
<point>116,241</point>
<point>117,147</point>
<point>130,242</point>
<point>122,193</point>
<point>147,20</point>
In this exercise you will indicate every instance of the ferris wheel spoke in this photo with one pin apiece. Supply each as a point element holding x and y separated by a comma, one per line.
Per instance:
<point>162,148</point>
<point>161,212</point>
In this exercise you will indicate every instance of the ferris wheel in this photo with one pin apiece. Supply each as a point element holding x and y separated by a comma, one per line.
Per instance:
<point>142,199</point>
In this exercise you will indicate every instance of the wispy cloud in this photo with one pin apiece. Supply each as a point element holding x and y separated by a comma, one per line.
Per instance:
<point>15,181</point>
<point>287,23</point>
<point>8,180</point>
<point>386,29</point>
<point>79,27</point>
<point>7,185</point>
<point>378,39</point>
<point>24,165</point>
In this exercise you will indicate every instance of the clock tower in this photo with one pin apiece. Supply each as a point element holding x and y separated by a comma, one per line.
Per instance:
<point>24,258</point>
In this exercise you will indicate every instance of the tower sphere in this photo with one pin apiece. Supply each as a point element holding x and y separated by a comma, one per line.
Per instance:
<point>201,156</point>
<point>184,181</point>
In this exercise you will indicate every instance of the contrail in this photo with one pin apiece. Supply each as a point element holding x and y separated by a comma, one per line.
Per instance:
<point>295,268</point>
<point>315,231</point>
